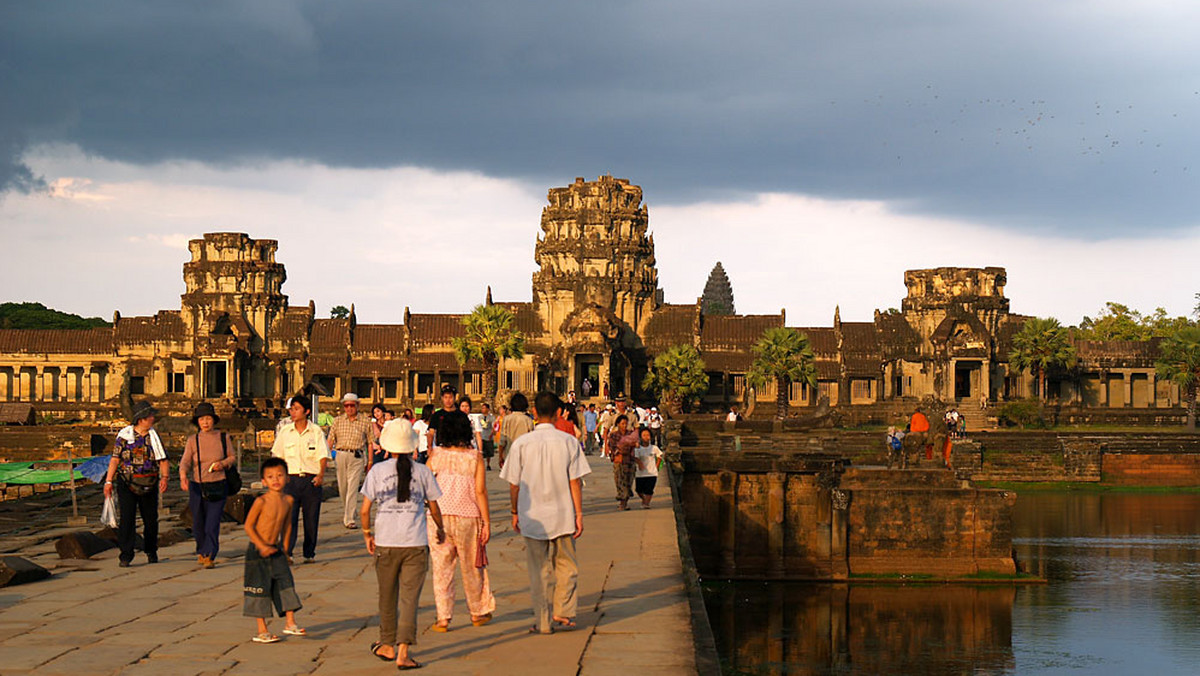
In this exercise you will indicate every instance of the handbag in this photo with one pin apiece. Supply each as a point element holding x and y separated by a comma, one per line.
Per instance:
<point>214,491</point>
<point>481,560</point>
<point>141,484</point>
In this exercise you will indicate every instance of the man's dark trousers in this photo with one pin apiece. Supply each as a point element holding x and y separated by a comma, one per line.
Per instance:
<point>308,500</point>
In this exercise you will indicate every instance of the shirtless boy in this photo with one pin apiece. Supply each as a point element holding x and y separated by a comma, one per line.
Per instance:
<point>268,580</point>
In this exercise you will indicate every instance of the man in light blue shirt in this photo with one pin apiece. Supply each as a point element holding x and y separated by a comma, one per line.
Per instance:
<point>590,420</point>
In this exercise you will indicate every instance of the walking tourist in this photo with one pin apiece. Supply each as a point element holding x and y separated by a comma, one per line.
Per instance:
<point>487,426</point>
<point>619,448</point>
<point>266,578</point>
<point>302,445</point>
<point>421,428</point>
<point>917,437</point>
<point>464,505</point>
<point>401,490</point>
<point>206,456</point>
<point>590,421</point>
<point>464,406</point>
<point>516,423</point>
<point>379,416</point>
<point>545,470</point>
<point>351,437</point>
<point>655,422</point>
<point>449,405</point>
<point>648,457</point>
<point>139,468</point>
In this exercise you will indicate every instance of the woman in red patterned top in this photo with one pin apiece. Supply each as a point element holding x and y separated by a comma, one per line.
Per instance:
<point>460,473</point>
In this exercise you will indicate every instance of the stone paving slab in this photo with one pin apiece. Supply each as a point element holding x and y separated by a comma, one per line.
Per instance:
<point>175,618</point>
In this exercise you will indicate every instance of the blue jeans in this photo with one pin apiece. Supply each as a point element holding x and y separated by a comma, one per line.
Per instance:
<point>206,521</point>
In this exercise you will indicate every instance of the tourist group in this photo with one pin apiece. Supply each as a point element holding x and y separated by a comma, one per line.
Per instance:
<point>424,478</point>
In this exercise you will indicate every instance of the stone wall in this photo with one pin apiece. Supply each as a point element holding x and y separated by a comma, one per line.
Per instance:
<point>800,517</point>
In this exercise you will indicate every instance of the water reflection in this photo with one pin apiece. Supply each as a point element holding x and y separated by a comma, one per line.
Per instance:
<point>820,629</point>
<point>1123,597</point>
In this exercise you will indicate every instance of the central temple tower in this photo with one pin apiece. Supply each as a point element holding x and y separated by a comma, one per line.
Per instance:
<point>594,253</point>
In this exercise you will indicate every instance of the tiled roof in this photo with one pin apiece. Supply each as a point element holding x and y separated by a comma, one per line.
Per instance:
<point>828,370</point>
<point>1005,333</point>
<point>379,338</point>
<point>735,332</point>
<point>291,325</point>
<point>429,329</point>
<point>164,326</point>
<point>733,362</point>
<point>325,365</point>
<point>384,368</point>
<point>896,337</point>
<point>860,349</point>
<point>56,341</point>
<point>528,322</point>
<point>823,341</point>
<point>330,334</point>
<point>434,361</point>
<point>670,325</point>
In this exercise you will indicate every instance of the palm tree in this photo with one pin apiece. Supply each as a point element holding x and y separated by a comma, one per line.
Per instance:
<point>489,334</point>
<point>1179,362</point>
<point>678,376</point>
<point>784,356</point>
<point>1040,345</point>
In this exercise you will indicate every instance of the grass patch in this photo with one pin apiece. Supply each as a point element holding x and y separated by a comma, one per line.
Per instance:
<point>901,577</point>
<point>1081,487</point>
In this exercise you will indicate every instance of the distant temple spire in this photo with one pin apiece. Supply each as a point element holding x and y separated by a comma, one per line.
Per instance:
<point>718,293</point>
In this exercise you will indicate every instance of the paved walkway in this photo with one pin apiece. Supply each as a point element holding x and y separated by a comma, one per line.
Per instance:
<point>174,618</point>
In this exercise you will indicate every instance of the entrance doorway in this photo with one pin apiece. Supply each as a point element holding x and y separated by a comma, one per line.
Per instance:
<point>587,375</point>
<point>216,379</point>
<point>966,379</point>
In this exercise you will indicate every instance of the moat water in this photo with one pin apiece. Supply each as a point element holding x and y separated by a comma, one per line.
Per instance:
<point>1122,597</point>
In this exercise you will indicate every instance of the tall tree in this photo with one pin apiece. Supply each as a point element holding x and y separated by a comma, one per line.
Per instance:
<point>718,293</point>
<point>1179,362</point>
<point>678,376</point>
<point>784,356</point>
<point>1040,345</point>
<point>1120,322</point>
<point>339,312</point>
<point>490,334</point>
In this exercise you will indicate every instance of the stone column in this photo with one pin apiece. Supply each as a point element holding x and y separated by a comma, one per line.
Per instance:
<point>5,388</point>
<point>1104,388</point>
<point>838,533</point>
<point>1128,389</point>
<point>64,389</point>
<point>37,389</point>
<point>1152,383</point>
<point>985,379</point>
<point>776,508</point>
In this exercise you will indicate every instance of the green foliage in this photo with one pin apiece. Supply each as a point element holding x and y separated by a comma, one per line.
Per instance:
<point>489,334</point>
<point>1026,413</point>
<point>678,376</point>
<point>1179,362</point>
<point>1119,322</point>
<point>38,316</point>
<point>784,356</point>
<point>339,312</point>
<point>1042,344</point>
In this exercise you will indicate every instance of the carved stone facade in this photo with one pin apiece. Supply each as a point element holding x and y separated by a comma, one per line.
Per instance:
<point>596,319</point>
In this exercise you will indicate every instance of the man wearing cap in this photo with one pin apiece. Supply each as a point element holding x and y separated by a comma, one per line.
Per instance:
<point>350,435</point>
<point>302,445</point>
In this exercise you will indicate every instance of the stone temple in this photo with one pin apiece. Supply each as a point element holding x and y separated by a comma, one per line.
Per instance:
<point>596,320</point>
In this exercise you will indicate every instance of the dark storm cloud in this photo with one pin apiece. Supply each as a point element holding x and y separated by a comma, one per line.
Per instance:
<point>1075,117</point>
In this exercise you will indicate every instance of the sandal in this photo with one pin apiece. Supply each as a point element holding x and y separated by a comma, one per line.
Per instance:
<point>266,637</point>
<point>564,624</point>
<point>405,667</point>
<point>375,651</point>
<point>481,620</point>
<point>440,628</point>
<point>295,631</point>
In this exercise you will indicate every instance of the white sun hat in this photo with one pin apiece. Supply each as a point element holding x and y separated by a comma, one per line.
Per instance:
<point>398,436</point>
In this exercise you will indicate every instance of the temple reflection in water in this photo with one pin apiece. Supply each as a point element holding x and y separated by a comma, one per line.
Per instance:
<point>781,628</point>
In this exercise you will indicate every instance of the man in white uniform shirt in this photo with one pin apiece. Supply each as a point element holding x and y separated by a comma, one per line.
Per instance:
<point>545,470</point>
<point>302,445</point>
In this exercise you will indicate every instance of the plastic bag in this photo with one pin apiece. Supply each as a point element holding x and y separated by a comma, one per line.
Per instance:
<point>108,515</point>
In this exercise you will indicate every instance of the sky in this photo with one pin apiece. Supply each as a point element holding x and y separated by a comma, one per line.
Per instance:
<point>401,152</point>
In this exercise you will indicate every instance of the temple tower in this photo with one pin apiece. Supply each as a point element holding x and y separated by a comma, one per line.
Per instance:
<point>234,287</point>
<point>594,250</point>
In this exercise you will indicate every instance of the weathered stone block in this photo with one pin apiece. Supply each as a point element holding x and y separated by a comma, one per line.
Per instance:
<point>15,570</point>
<point>82,544</point>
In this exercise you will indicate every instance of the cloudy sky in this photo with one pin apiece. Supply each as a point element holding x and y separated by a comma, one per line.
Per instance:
<point>401,151</point>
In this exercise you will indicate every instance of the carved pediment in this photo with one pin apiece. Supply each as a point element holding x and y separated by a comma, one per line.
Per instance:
<point>591,322</point>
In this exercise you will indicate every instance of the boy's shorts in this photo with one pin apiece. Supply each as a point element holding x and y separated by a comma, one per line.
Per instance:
<point>268,581</point>
<point>644,485</point>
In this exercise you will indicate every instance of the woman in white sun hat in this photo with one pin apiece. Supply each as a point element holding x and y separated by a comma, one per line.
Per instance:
<point>402,490</point>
